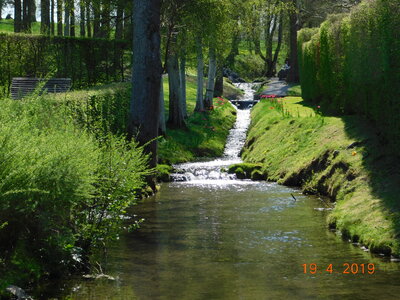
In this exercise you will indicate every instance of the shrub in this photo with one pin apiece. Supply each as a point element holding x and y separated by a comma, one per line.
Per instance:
<point>352,64</point>
<point>63,192</point>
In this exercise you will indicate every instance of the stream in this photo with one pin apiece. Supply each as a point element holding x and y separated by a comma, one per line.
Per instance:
<point>208,235</point>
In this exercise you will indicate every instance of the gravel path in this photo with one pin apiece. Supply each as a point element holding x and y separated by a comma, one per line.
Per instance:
<point>276,87</point>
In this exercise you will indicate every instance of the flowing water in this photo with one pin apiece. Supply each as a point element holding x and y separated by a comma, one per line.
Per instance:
<point>211,236</point>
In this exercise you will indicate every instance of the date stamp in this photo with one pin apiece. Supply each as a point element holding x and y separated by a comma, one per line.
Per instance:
<point>346,268</point>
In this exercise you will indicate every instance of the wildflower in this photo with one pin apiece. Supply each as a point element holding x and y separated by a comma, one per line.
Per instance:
<point>318,107</point>
<point>354,153</point>
<point>271,107</point>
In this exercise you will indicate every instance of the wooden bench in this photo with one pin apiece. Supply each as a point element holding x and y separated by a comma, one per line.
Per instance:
<point>23,86</point>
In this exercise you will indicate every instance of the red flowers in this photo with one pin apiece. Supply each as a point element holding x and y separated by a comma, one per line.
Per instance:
<point>269,96</point>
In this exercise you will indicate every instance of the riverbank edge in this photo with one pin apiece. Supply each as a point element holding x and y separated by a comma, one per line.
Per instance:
<point>321,158</point>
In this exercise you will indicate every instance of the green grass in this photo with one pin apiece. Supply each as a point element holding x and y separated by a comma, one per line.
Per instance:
<point>295,90</point>
<point>206,132</point>
<point>8,26</point>
<point>305,148</point>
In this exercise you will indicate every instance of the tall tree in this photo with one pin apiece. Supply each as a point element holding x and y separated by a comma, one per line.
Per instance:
<point>200,74</point>
<point>119,21</point>
<point>52,4</point>
<point>72,18</point>
<point>176,113</point>
<point>293,75</point>
<point>88,19</point>
<point>212,68</point>
<point>82,9</point>
<point>146,77</point>
<point>45,16</point>
<point>59,17</point>
<point>17,16</point>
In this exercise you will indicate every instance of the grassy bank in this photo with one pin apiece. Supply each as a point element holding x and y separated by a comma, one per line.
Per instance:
<point>343,158</point>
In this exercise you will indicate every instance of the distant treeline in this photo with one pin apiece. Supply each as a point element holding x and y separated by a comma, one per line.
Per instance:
<point>86,61</point>
<point>352,64</point>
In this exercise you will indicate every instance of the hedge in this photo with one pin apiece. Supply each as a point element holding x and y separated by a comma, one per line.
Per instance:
<point>352,63</point>
<point>86,61</point>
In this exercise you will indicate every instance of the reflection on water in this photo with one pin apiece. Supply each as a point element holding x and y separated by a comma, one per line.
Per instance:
<point>237,241</point>
<point>211,236</point>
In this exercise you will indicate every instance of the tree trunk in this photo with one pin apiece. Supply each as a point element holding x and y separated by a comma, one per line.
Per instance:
<point>17,16</point>
<point>52,17</point>
<point>212,67</point>
<point>96,19</point>
<point>45,17</point>
<point>182,77</point>
<point>105,19</point>
<point>200,75</point>
<point>88,19</point>
<point>278,46</point>
<point>72,18</point>
<point>162,130</point>
<point>66,18</point>
<point>219,81</point>
<point>119,22</point>
<point>146,79</point>
<point>176,117</point>
<point>32,11</point>
<point>82,27</point>
<point>230,60</point>
<point>293,76</point>
<point>59,17</point>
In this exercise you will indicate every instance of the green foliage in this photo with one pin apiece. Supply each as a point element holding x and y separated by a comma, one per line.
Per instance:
<point>163,172</point>
<point>65,182</point>
<point>86,61</point>
<point>352,64</point>
<point>249,66</point>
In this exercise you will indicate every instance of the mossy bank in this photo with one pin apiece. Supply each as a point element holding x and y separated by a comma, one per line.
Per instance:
<point>344,158</point>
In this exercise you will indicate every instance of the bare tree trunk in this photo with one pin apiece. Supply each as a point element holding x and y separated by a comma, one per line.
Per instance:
<point>82,27</point>
<point>17,16</point>
<point>162,126</point>
<point>88,19</point>
<point>59,17</point>
<point>293,75</point>
<point>219,80</point>
<point>119,23</point>
<point>279,45</point>
<point>66,18</point>
<point>32,11</point>
<point>212,67</point>
<point>105,20</point>
<point>96,19</point>
<point>45,17</point>
<point>146,79</point>
<point>72,18</point>
<point>182,77</point>
<point>200,75</point>
<point>176,118</point>
<point>52,17</point>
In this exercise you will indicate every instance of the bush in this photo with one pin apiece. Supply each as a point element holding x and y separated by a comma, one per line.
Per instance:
<point>63,193</point>
<point>352,64</point>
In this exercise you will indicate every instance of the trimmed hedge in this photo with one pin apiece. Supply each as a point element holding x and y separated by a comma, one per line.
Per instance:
<point>86,61</point>
<point>352,63</point>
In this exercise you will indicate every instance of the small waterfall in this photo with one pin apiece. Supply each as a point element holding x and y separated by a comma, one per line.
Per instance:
<point>211,170</point>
